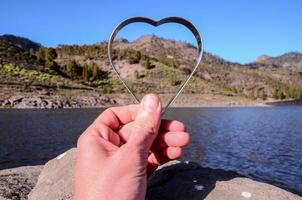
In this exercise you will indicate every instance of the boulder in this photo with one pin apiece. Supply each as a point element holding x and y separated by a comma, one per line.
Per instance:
<point>16,183</point>
<point>56,179</point>
<point>15,99</point>
<point>188,180</point>
<point>174,180</point>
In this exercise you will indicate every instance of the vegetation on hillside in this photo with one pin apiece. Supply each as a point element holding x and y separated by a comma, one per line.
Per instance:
<point>163,70</point>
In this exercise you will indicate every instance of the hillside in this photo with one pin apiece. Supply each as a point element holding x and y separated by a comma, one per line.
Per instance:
<point>147,67</point>
<point>10,53</point>
<point>255,80</point>
<point>22,42</point>
<point>290,61</point>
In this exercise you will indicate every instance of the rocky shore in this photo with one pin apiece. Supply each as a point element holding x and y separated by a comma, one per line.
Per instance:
<point>45,102</point>
<point>174,180</point>
<point>60,101</point>
<point>50,98</point>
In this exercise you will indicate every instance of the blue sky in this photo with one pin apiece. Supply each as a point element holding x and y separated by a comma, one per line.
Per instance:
<point>237,30</point>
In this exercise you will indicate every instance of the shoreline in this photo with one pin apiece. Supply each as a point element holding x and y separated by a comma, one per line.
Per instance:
<point>107,102</point>
<point>42,98</point>
<point>213,105</point>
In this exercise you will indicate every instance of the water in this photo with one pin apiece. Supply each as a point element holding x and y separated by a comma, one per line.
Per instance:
<point>264,143</point>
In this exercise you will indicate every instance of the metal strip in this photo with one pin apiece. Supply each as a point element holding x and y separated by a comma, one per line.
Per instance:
<point>177,20</point>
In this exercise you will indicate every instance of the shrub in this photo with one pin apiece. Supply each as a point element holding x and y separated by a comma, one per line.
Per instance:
<point>136,74</point>
<point>133,57</point>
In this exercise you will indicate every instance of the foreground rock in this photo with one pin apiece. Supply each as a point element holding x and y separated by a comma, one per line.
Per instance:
<point>175,180</point>
<point>18,182</point>
<point>56,179</point>
<point>190,181</point>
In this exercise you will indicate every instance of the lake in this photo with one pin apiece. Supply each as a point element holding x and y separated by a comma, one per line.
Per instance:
<point>264,143</point>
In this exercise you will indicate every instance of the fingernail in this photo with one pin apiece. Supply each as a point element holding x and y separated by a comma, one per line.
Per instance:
<point>150,102</point>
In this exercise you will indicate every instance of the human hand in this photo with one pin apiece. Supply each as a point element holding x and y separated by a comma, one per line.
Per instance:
<point>122,147</point>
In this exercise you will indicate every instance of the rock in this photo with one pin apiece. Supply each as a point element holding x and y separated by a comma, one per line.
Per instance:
<point>30,102</point>
<point>16,183</point>
<point>191,181</point>
<point>113,101</point>
<point>59,104</point>
<point>174,180</point>
<point>15,99</point>
<point>48,99</point>
<point>6,102</point>
<point>43,104</point>
<point>106,99</point>
<point>49,104</point>
<point>56,179</point>
<point>45,92</point>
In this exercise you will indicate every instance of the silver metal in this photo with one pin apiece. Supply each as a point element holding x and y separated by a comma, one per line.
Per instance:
<point>177,20</point>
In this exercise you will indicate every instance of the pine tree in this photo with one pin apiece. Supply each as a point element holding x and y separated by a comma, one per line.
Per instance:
<point>94,71</point>
<point>73,69</point>
<point>85,74</point>
<point>51,54</point>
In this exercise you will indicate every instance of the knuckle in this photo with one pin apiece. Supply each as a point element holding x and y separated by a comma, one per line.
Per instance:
<point>182,126</point>
<point>81,140</point>
<point>103,114</point>
<point>146,127</point>
<point>85,140</point>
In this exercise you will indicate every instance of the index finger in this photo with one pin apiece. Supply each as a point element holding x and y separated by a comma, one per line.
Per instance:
<point>114,117</point>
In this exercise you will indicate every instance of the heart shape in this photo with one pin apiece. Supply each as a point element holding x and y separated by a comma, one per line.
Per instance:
<point>177,20</point>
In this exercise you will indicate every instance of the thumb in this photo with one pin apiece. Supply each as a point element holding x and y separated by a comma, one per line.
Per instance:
<point>146,123</point>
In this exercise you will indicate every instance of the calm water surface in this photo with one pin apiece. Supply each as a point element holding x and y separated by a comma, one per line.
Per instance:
<point>261,143</point>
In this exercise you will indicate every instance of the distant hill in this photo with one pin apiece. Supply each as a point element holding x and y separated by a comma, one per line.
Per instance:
<point>10,53</point>
<point>157,47</point>
<point>290,61</point>
<point>21,42</point>
<point>163,48</point>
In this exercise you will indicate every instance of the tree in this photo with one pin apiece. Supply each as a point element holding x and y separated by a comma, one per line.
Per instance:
<point>95,71</point>
<point>40,55</point>
<point>51,54</point>
<point>279,94</point>
<point>48,59</point>
<point>263,94</point>
<point>85,72</point>
<point>92,72</point>
<point>282,95</point>
<point>276,94</point>
<point>52,65</point>
<point>73,69</point>
<point>136,74</point>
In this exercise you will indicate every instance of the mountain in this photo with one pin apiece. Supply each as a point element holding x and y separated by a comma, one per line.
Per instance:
<point>157,47</point>
<point>21,42</point>
<point>253,80</point>
<point>162,48</point>
<point>10,53</point>
<point>152,64</point>
<point>290,61</point>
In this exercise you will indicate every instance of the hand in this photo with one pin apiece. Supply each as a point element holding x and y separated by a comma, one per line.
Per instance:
<point>122,147</point>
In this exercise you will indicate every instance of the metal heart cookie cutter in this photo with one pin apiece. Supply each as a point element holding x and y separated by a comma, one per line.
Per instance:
<point>177,20</point>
